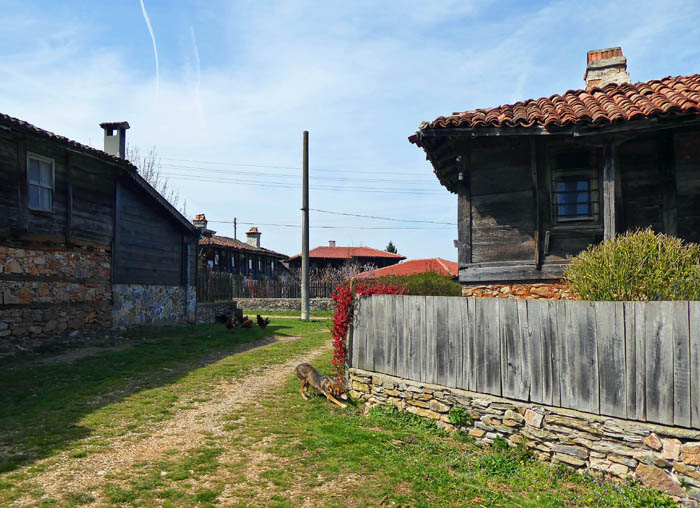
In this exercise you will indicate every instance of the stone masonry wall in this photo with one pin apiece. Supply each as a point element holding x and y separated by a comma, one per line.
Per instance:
<point>665,458</point>
<point>52,295</point>
<point>142,304</point>
<point>539,290</point>
<point>207,312</point>
<point>275,304</point>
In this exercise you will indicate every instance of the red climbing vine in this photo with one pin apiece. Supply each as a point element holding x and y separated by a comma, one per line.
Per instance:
<point>343,296</point>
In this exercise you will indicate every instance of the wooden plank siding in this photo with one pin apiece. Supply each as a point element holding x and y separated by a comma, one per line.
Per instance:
<point>633,360</point>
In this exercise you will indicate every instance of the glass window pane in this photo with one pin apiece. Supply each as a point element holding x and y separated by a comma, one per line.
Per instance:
<point>45,200</point>
<point>45,173</point>
<point>34,172</point>
<point>34,198</point>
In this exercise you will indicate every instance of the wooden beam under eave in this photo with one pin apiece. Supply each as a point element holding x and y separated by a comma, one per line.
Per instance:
<point>464,209</point>
<point>668,174</point>
<point>609,179</point>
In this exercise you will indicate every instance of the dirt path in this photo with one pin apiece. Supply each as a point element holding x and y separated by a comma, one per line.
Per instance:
<point>185,431</point>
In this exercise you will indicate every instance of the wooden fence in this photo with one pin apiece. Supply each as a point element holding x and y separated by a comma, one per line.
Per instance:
<point>214,286</point>
<point>634,360</point>
<point>279,289</point>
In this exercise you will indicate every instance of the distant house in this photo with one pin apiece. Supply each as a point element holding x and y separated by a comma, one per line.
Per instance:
<point>540,180</point>
<point>413,266</point>
<point>86,244</point>
<point>332,256</point>
<point>224,254</point>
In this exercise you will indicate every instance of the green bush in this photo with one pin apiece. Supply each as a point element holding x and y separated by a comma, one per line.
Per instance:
<point>642,265</point>
<point>426,284</point>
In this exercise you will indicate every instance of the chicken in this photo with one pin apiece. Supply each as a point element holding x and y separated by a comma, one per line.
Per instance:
<point>262,323</point>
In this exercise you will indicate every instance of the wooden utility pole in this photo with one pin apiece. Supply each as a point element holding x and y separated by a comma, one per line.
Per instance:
<point>234,228</point>
<point>305,232</point>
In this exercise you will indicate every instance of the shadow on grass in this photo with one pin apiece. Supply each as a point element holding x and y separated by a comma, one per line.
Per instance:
<point>41,406</point>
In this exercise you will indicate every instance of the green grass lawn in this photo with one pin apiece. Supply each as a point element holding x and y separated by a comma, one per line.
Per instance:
<point>279,451</point>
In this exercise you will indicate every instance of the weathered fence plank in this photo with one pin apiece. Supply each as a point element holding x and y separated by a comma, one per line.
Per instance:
<point>429,361</point>
<point>659,362</point>
<point>400,342</point>
<point>468,377</point>
<point>681,363</point>
<point>442,340</point>
<point>379,309</point>
<point>610,341</point>
<point>514,358</point>
<point>579,372</point>
<point>487,346</point>
<point>635,337</point>
<point>417,336</point>
<point>694,327</point>
<point>390,335</point>
<point>371,334</point>
<point>455,340</point>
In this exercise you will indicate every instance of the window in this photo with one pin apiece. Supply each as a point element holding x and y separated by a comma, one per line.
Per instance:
<point>216,259</point>
<point>40,176</point>
<point>233,261</point>
<point>260,265</point>
<point>272,265</point>
<point>575,193</point>
<point>250,264</point>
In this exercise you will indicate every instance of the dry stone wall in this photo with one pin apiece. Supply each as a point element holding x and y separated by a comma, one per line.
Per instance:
<point>663,457</point>
<point>52,295</point>
<point>283,304</point>
<point>539,290</point>
<point>142,304</point>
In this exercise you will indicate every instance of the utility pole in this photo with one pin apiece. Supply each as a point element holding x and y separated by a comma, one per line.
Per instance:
<point>305,231</point>
<point>234,228</point>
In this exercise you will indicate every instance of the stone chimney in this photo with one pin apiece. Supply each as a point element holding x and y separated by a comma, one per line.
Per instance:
<point>253,237</point>
<point>331,243</point>
<point>605,66</point>
<point>115,138</point>
<point>200,221</point>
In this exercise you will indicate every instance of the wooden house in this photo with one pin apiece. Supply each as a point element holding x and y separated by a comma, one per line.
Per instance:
<point>335,257</point>
<point>86,244</point>
<point>248,259</point>
<point>540,180</point>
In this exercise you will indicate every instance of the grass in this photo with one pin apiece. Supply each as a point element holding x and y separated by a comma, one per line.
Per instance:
<point>276,452</point>
<point>294,313</point>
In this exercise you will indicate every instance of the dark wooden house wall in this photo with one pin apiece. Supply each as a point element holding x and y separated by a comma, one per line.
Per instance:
<point>149,247</point>
<point>209,253</point>
<point>502,201</point>
<point>82,198</point>
<point>686,152</point>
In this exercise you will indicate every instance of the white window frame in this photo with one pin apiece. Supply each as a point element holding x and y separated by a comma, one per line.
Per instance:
<point>260,265</point>
<point>250,264</point>
<point>48,160</point>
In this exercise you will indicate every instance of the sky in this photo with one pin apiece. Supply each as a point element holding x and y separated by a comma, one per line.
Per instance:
<point>237,82</point>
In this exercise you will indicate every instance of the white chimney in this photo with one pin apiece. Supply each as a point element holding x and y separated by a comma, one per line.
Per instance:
<point>605,66</point>
<point>253,237</point>
<point>115,138</point>
<point>331,243</point>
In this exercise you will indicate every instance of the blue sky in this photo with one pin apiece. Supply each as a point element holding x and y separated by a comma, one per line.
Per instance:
<point>240,81</point>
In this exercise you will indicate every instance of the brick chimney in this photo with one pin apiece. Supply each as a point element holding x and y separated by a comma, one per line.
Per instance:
<point>200,221</point>
<point>115,138</point>
<point>605,66</point>
<point>331,243</point>
<point>253,237</point>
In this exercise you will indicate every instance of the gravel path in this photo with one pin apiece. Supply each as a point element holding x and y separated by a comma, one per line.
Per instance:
<point>185,431</point>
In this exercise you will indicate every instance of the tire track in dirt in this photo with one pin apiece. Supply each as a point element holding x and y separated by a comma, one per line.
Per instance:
<point>185,431</point>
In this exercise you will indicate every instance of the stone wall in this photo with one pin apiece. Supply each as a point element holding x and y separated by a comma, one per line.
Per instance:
<point>52,295</point>
<point>142,304</point>
<point>535,290</point>
<point>207,312</point>
<point>665,458</point>
<point>275,304</point>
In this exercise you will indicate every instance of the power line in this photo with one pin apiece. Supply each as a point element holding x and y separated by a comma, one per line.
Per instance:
<point>321,227</point>
<point>383,218</point>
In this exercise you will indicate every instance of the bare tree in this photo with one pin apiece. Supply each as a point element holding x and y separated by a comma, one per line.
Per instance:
<point>336,275</point>
<point>148,165</point>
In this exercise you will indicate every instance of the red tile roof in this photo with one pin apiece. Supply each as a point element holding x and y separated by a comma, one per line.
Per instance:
<point>670,96</point>
<point>224,241</point>
<point>435,265</point>
<point>349,253</point>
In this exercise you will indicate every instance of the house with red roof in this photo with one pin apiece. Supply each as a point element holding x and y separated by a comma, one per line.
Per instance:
<point>230,255</point>
<point>540,180</point>
<point>413,266</point>
<point>335,257</point>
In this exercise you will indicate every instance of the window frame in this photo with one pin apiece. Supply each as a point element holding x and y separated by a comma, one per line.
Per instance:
<point>52,188</point>
<point>591,174</point>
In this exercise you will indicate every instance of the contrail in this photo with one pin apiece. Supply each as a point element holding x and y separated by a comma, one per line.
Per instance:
<point>198,77</point>
<point>153,38</point>
<point>195,49</point>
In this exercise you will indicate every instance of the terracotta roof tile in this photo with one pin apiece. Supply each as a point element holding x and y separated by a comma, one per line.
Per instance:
<point>412,266</point>
<point>224,241</point>
<point>600,106</point>
<point>349,253</point>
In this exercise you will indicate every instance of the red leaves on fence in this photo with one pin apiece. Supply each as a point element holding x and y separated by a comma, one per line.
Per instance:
<point>342,317</point>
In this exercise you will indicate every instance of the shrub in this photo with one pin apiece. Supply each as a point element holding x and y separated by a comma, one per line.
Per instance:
<point>426,284</point>
<point>642,265</point>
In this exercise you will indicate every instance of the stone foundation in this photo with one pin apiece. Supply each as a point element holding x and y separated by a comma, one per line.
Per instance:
<point>539,290</point>
<point>207,312</point>
<point>662,457</point>
<point>141,304</point>
<point>52,296</point>
<point>276,304</point>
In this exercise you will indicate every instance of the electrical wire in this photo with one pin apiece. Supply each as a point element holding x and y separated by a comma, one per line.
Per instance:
<point>319,227</point>
<point>382,218</point>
